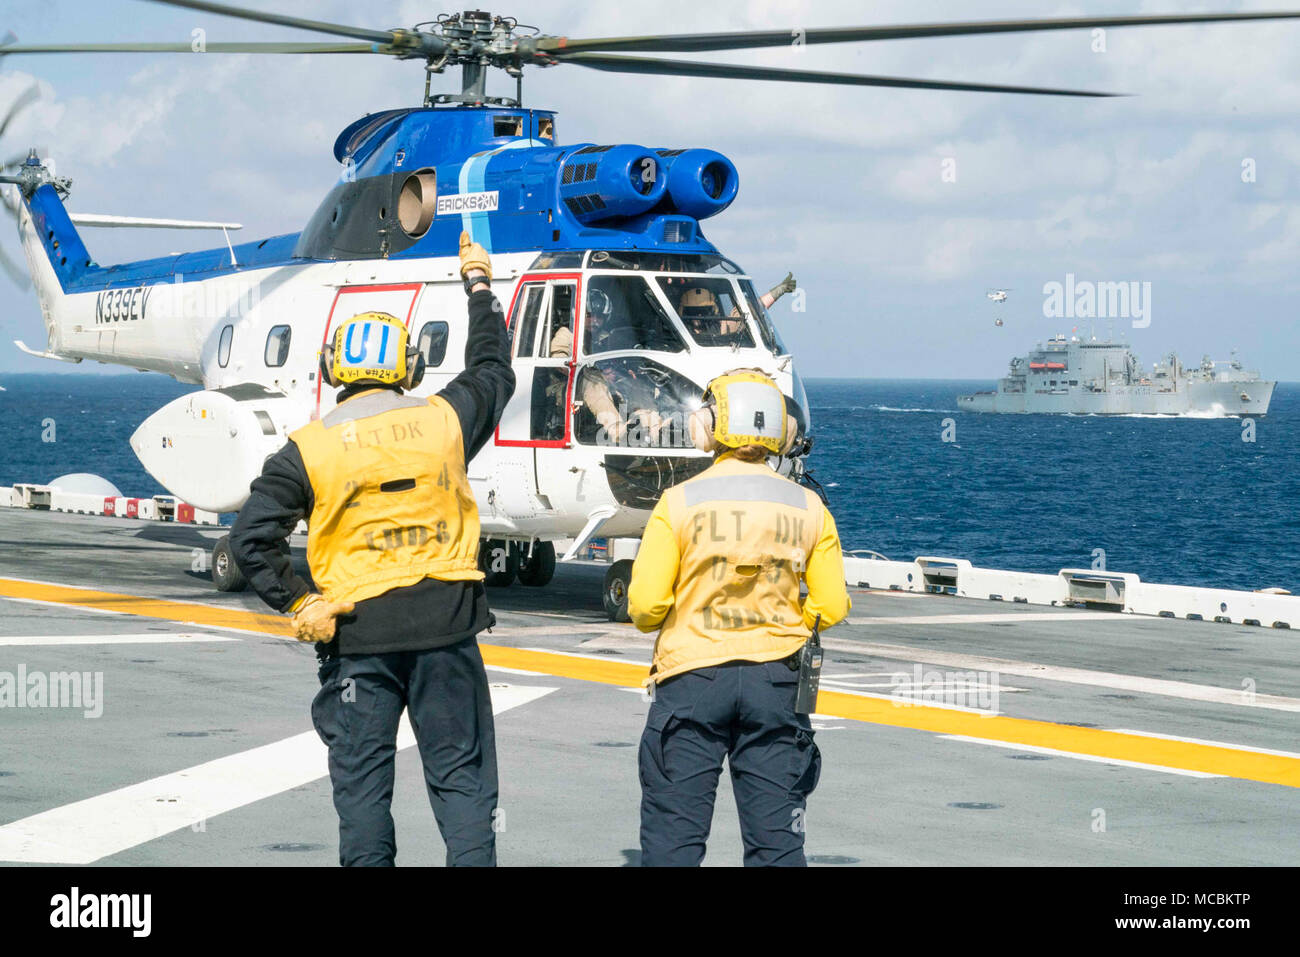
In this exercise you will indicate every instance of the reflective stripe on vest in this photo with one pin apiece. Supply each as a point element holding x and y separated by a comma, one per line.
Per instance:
<point>745,488</point>
<point>744,535</point>
<point>393,504</point>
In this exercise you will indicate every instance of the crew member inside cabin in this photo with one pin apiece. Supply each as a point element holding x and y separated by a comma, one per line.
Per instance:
<point>711,314</point>
<point>718,577</point>
<point>392,545</point>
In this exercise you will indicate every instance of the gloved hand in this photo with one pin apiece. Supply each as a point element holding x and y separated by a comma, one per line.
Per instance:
<point>473,256</point>
<point>788,284</point>
<point>314,619</point>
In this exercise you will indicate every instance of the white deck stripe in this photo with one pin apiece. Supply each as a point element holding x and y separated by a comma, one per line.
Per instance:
<point>1078,676</point>
<point>86,831</point>
<point>907,687</point>
<point>621,659</point>
<point>1213,744</point>
<point>997,618</point>
<point>1079,757</point>
<point>149,638</point>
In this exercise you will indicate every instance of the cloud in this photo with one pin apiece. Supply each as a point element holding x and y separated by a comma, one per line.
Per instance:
<point>842,185</point>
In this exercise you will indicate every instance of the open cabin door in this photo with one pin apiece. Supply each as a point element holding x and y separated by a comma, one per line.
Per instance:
<point>543,329</point>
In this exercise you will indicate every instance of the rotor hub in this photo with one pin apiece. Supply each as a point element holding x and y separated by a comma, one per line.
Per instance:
<point>475,41</point>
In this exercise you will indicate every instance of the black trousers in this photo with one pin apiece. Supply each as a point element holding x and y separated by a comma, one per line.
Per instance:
<point>743,712</point>
<point>356,713</point>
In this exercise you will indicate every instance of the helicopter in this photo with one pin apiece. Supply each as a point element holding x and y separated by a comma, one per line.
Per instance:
<point>600,242</point>
<point>997,295</point>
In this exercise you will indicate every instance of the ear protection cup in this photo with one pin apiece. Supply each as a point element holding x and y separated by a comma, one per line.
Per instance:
<point>701,425</point>
<point>414,369</point>
<point>791,434</point>
<point>327,365</point>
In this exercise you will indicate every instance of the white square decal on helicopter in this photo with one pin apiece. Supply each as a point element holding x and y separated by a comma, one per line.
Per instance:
<point>467,203</point>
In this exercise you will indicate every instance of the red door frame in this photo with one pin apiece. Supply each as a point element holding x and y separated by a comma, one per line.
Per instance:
<point>578,316</point>
<point>329,320</point>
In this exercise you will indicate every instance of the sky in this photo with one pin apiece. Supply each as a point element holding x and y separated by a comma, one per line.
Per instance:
<point>897,210</point>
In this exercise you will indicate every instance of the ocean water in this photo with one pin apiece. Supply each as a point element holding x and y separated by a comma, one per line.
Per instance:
<point>1183,501</point>
<point>1179,501</point>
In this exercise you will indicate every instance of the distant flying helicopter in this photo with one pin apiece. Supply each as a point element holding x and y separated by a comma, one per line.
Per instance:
<point>599,244</point>
<point>997,295</point>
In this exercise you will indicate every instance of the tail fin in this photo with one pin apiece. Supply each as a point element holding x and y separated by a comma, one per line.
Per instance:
<point>56,255</point>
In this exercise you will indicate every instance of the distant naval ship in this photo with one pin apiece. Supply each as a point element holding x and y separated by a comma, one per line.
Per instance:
<point>1095,377</point>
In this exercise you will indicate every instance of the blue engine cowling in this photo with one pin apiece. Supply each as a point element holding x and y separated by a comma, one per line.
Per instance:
<point>701,183</point>
<point>611,182</point>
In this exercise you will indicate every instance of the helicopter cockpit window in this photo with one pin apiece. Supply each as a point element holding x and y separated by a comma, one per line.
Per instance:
<point>528,311</point>
<point>565,259</point>
<point>223,346</point>
<point>664,262</point>
<point>433,343</point>
<point>277,346</point>
<point>557,338</point>
<point>632,402</point>
<point>710,310</point>
<point>624,313</point>
<point>507,125</point>
<point>766,328</point>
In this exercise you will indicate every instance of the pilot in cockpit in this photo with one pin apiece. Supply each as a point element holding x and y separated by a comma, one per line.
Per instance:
<point>702,314</point>
<point>697,302</point>
<point>606,330</point>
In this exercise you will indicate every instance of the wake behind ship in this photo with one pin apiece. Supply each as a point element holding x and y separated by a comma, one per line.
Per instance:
<point>1094,377</point>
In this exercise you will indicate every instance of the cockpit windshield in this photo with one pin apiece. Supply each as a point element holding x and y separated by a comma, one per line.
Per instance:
<point>710,263</point>
<point>710,309</point>
<point>623,313</point>
<point>633,402</point>
<point>766,328</point>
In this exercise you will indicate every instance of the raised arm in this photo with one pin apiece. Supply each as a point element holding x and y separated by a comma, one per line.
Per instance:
<point>480,393</point>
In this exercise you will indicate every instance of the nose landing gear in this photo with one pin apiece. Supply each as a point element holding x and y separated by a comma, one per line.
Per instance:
<point>617,581</point>
<point>226,574</point>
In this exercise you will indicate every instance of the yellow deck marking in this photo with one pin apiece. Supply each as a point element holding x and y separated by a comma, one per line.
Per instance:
<point>187,612</point>
<point>1189,756</point>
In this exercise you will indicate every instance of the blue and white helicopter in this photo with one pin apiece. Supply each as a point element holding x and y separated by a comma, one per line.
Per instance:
<point>619,307</point>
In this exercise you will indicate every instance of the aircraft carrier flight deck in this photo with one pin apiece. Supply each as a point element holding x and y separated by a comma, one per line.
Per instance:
<point>953,730</point>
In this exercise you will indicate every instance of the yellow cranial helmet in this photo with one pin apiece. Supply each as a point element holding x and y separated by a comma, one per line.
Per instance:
<point>371,347</point>
<point>743,407</point>
<point>698,302</point>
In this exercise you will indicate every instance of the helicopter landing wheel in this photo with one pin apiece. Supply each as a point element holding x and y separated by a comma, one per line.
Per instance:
<point>539,568</point>
<point>617,581</point>
<point>498,560</point>
<point>226,574</point>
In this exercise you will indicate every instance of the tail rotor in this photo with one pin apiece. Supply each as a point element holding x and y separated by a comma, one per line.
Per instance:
<point>11,166</point>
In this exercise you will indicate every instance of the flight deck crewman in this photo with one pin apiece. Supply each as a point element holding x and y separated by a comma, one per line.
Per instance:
<point>718,575</point>
<point>392,545</point>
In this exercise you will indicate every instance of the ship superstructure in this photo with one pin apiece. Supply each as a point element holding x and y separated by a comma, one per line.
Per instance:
<point>1104,377</point>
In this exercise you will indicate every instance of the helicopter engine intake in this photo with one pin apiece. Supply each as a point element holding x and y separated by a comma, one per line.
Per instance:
<point>611,182</point>
<point>701,183</point>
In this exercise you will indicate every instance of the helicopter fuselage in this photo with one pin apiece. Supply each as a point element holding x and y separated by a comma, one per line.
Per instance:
<point>593,249</point>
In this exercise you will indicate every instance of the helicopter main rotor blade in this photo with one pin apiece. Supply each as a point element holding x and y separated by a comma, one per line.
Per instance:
<point>260,16</point>
<point>735,71</point>
<point>744,40</point>
<point>254,47</point>
<point>16,273</point>
<point>26,96</point>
